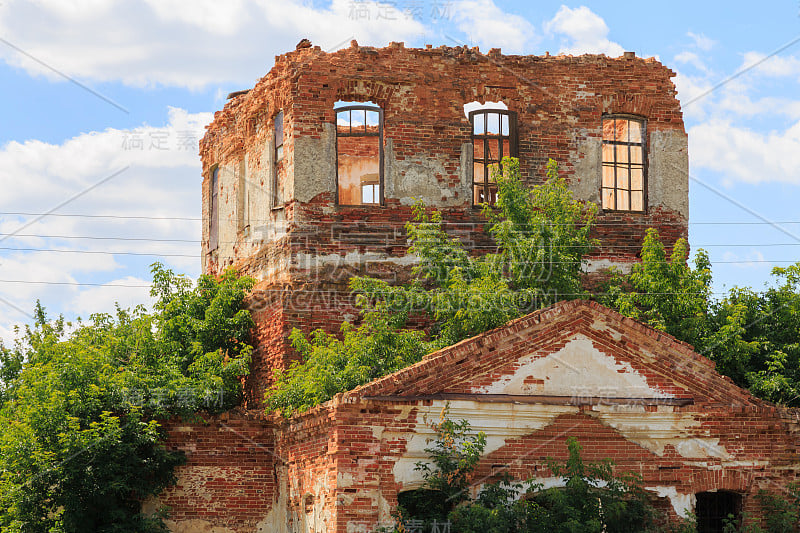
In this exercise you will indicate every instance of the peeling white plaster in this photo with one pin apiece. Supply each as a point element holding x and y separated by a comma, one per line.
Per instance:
<point>304,261</point>
<point>499,421</point>
<point>599,265</point>
<point>655,430</point>
<point>578,369</point>
<point>683,504</point>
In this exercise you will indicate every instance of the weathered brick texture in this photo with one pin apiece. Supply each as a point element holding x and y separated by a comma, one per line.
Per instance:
<point>290,231</point>
<point>627,392</point>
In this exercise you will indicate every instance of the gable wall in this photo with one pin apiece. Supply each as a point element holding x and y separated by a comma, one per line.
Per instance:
<point>340,466</point>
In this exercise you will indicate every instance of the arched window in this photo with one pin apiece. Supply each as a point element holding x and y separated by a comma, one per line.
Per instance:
<point>494,136</point>
<point>359,154</point>
<point>624,174</point>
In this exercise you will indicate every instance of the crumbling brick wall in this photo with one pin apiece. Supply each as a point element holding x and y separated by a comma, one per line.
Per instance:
<point>281,224</point>
<point>229,481</point>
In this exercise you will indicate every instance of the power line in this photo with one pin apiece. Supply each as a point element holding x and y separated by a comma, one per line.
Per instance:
<point>195,241</point>
<point>159,254</point>
<point>80,215</point>
<point>95,252</point>
<point>198,219</point>
<point>87,284</point>
<point>89,237</point>
<point>139,286</point>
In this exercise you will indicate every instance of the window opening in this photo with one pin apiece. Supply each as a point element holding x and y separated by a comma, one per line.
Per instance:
<point>623,186</point>
<point>359,153</point>
<point>277,188</point>
<point>713,508</point>
<point>213,215</point>
<point>494,136</point>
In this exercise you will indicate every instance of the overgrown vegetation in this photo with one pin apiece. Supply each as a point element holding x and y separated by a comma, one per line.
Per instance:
<point>589,498</point>
<point>592,496</point>
<point>754,337</point>
<point>542,235</point>
<point>80,441</point>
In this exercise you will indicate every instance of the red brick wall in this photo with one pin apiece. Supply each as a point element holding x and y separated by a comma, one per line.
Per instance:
<point>559,102</point>
<point>229,479</point>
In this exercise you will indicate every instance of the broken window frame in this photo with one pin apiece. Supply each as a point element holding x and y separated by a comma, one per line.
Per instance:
<point>213,209</point>
<point>627,165</point>
<point>364,133</point>
<point>490,190</point>
<point>278,130</point>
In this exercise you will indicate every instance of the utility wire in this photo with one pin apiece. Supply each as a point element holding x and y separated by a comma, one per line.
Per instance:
<point>198,219</point>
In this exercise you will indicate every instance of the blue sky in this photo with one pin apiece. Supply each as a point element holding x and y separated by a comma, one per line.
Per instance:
<point>102,103</point>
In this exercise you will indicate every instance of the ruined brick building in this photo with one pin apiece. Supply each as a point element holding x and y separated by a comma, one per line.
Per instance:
<point>308,179</point>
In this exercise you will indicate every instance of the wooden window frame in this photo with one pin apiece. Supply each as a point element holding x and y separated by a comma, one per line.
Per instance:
<point>490,191</point>
<point>365,133</point>
<point>629,166</point>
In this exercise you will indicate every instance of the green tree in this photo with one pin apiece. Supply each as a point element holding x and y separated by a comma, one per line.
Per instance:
<point>667,294</point>
<point>594,498</point>
<point>753,337</point>
<point>542,235</point>
<point>331,365</point>
<point>80,442</point>
<point>757,337</point>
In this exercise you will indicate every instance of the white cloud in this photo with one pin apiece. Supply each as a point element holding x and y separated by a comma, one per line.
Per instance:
<point>489,26</point>
<point>160,178</point>
<point>775,66</point>
<point>584,31</point>
<point>693,59</point>
<point>167,42</point>
<point>752,259</point>
<point>128,292</point>
<point>701,41</point>
<point>692,94</point>
<point>742,154</point>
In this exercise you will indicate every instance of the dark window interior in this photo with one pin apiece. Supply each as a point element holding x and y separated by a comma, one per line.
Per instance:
<point>494,136</point>
<point>713,508</point>
<point>279,136</point>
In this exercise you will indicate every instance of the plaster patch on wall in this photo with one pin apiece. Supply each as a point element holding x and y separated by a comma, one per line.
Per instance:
<point>414,178</point>
<point>599,265</point>
<point>499,422</point>
<point>654,431</point>
<point>316,519</point>
<point>683,504</point>
<point>304,261</point>
<point>579,368</point>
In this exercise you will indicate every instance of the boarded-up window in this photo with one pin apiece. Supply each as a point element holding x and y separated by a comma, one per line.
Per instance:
<point>213,211</point>
<point>494,136</point>
<point>278,197</point>
<point>359,155</point>
<point>624,179</point>
<point>714,508</point>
